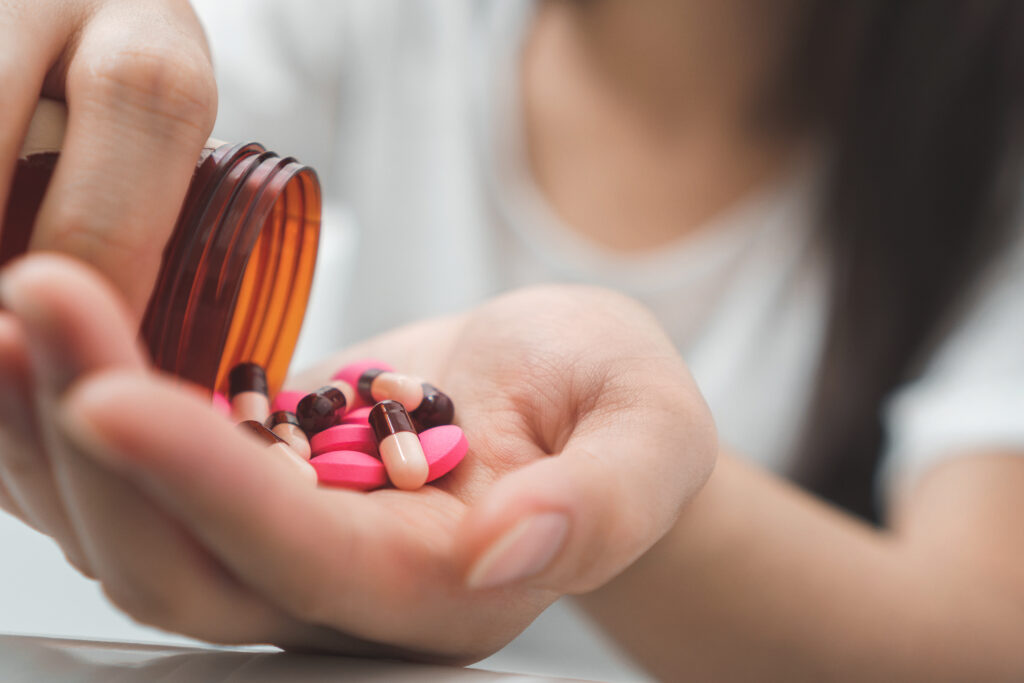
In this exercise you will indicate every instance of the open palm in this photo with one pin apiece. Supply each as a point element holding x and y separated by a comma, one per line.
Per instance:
<point>576,407</point>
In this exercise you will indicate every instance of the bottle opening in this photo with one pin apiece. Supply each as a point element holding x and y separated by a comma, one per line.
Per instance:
<point>238,270</point>
<point>275,287</point>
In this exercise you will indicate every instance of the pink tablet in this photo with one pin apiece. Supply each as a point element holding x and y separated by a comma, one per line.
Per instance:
<point>344,437</point>
<point>445,447</point>
<point>350,470</point>
<point>358,416</point>
<point>286,400</point>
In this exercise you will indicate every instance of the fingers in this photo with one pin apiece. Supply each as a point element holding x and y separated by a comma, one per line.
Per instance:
<point>31,42</point>
<point>25,469</point>
<point>334,557</point>
<point>64,307</point>
<point>148,564</point>
<point>71,323</point>
<point>572,521</point>
<point>141,101</point>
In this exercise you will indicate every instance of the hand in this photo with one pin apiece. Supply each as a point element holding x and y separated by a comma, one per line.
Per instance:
<point>137,78</point>
<point>580,416</point>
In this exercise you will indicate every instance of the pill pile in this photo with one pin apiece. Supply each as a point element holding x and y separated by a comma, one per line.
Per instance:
<point>365,429</point>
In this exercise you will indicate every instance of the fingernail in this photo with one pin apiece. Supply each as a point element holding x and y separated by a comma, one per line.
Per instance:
<point>524,551</point>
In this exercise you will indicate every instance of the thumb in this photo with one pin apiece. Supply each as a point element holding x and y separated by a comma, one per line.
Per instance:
<point>572,521</point>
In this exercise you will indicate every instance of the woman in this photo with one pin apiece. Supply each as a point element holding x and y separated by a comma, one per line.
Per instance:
<point>822,217</point>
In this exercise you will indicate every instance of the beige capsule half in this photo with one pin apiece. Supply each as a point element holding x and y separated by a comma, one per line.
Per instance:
<point>399,445</point>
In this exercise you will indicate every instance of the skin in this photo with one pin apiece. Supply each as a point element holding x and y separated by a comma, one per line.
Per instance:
<point>199,530</point>
<point>678,146</point>
<point>164,518</point>
<point>805,592</point>
<point>137,78</point>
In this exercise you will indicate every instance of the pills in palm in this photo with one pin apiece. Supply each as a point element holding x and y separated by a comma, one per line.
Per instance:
<point>367,427</point>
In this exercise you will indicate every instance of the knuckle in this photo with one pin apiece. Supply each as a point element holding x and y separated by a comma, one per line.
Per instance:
<point>172,83</point>
<point>90,232</point>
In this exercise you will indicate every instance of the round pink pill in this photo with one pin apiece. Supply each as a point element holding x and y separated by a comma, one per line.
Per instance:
<point>286,400</point>
<point>350,470</point>
<point>344,437</point>
<point>445,447</point>
<point>359,416</point>
<point>221,404</point>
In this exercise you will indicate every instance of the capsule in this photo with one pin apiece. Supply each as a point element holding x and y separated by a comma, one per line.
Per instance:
<point>398,445</point>
<point>321,409</point>
<point>247,392</point>
<point>279,447</point>
<point>345,388</point>
<point>427,405</point>
<point>285,425</point>
<point>435,410</point>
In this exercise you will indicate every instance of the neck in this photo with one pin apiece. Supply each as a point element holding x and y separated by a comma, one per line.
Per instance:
<point>687,60</point>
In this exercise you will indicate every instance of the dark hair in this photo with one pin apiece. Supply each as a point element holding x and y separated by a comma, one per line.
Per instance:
<point>922,100</point>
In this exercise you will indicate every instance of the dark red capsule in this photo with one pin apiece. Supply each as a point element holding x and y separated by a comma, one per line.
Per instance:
<point>436,409</point>
<point>365,382</point>
<point>322,409</point>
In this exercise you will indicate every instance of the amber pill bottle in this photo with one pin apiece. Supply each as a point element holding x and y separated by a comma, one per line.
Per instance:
<point>237,270</point>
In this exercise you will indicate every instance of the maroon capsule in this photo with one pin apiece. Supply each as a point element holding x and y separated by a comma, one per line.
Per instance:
<point>320,410</point>
<point>428,405</point>
<point>436,409</point>
<point>247,377</point>
<point>364,387</point>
